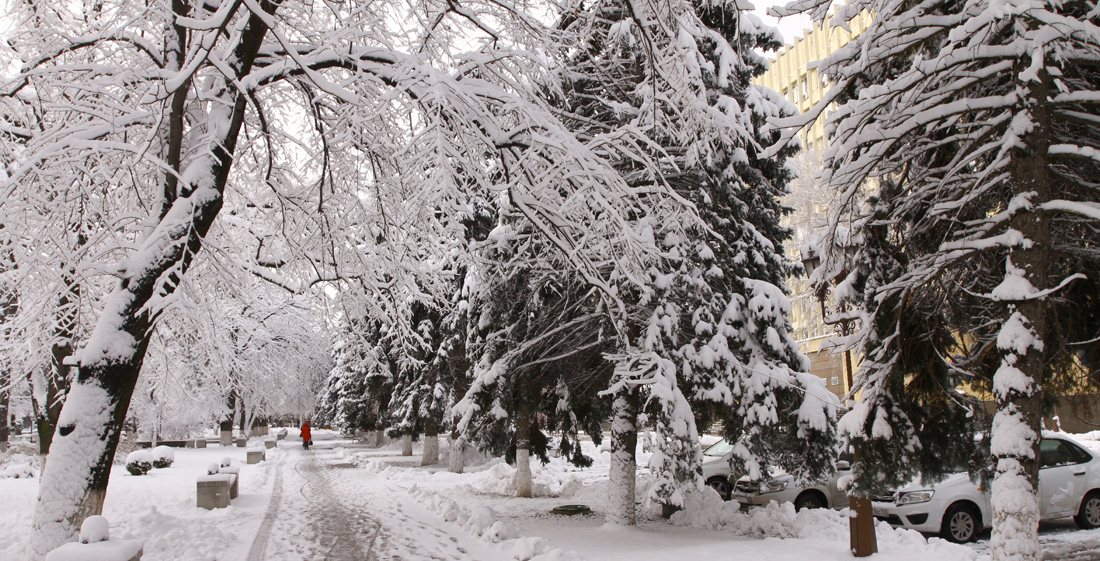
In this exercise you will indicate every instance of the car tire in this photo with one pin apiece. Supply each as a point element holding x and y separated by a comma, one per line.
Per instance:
<point>809,499</point>
<point>1089,515</point>
<point>961,524</point>
<point>722,486</point>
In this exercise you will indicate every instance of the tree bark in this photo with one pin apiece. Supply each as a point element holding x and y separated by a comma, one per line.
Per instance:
<point>624,441</point>
<point>226,428</point>
<point>1015,499</point>
<point>524,484</point>
<point>430,456</point>
<point>5,394</point>
<point>74,482</point>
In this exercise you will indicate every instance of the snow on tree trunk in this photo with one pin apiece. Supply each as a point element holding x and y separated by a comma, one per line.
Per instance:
<point>524,484</point>
<point>430,456</point>
<point>406,445</point>
<point>1016,387</point>
<point>624,441</point>
<point>74,482</point>
<point>456,456</point>
<point>226,426</point>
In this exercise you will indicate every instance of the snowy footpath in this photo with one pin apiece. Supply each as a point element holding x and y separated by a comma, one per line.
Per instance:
<point>344,501</point>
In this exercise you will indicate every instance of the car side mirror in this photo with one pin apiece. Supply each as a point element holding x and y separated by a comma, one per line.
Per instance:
<point>843,466</point>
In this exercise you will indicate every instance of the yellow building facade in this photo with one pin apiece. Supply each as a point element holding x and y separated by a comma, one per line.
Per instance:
<point>793,73</point>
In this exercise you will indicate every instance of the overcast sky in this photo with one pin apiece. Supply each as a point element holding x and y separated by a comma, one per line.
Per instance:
<point>790,27</point>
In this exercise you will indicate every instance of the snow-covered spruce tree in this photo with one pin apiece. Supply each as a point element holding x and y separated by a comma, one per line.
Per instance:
<point>536,352</point>
<point>979,118</point>
<point>356,394</point>
<point>709,339</point>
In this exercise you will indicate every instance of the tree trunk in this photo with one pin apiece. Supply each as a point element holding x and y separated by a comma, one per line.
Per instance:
<point>406,445</point>
<point>524,485</point>
<point>456,456</point>
<point>430,456</point>
<point>624,442</point>
<point>226,428</point>
<point>74,482</point>
<point>5,394</point>
<point>1018,422</point>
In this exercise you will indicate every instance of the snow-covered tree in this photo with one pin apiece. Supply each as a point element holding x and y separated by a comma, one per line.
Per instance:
<point>708,331</point>
<point>975,258</point>
<point>536,348</point>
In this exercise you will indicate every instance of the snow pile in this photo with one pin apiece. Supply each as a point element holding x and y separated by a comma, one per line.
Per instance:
<point>706,509</point>
<point>20,466</point>
<point>482,521</point>
<point>196,539</point>
<point>94,529</point>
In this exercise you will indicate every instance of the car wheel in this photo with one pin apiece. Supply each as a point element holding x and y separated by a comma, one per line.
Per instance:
<point>960,524</point>
<point>809,500</point>
<point>1089,515</point>
<point>721,485</point>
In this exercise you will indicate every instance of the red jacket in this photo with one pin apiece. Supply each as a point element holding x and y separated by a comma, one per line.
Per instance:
<point>305,432</point>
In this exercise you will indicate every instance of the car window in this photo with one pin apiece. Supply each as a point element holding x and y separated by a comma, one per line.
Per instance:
<point>1054,452</point>
<point>720,448</point>
<point>1079,453</point>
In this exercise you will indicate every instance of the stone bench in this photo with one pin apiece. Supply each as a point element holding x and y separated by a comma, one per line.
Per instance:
<point>255,456</point>
<point>170,443</point>
<point>236,473</point>
<point>214,491</point>
<point>197,443</point>
<point>242,442</point>
<point>269,443</point>
<point>114,550</point>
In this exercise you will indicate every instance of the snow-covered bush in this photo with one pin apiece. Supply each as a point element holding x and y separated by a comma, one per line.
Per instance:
<point>19,466</point>
<point>226,462</point>
<point>213,468</point>
<point>139,462</point>
<point>163,457</point>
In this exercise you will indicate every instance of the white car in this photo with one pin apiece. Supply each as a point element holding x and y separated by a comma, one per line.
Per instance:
<point>717,467</point>
<point>781,487</point>
<point>958,509</point>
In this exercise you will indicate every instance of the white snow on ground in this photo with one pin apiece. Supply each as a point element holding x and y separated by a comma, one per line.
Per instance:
<point>342,499</point>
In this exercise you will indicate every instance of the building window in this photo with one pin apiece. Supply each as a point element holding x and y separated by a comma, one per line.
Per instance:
<point>805,88</point>
<point>834,381</point>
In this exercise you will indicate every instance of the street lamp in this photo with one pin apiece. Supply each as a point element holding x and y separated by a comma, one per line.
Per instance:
<point>862,526</point>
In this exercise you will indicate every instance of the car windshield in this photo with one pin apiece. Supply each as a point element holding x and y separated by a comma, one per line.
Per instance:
<point>719,449</point>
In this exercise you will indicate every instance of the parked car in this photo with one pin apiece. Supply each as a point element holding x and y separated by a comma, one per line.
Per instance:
<point>782,487</point>
<point>718,469</point>
<point>958,509</point>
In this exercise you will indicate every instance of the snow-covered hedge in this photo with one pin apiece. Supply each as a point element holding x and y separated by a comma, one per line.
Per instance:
<point>139,462</point>
<point>163,457</point>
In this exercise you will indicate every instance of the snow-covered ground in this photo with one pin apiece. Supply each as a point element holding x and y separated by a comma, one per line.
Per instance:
<point>343,500</point>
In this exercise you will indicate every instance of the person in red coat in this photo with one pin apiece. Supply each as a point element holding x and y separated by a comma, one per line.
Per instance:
<point>306,437</point>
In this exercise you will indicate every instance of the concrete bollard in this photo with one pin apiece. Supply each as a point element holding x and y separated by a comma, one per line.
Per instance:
<point>200,443</point>
<point>214,491</point>
<point>269,444</point>
<point>255,456</point>
<point>242,442</point>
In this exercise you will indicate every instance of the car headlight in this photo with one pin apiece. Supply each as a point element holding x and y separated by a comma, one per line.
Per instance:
<point>914,497</point>
<point>772,486</point>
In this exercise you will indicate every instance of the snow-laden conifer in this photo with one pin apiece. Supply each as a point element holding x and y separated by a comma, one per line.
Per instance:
<point>973,261</point>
